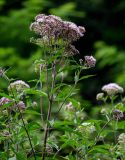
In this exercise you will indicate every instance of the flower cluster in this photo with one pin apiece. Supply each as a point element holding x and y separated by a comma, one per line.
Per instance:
<point>87,127</point>
<point>18,85</point>
<point>112,89</point>
<point>5,100</point>
<point>1,72</point>
<point>100,96</point>
<point>69,107</point>
<point>52,28</point>
<point>90,61</point>
<point>121,138</point>
<point>117,114</point>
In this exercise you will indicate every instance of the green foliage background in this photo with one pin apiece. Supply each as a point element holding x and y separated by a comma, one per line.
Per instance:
<point>104,38</point>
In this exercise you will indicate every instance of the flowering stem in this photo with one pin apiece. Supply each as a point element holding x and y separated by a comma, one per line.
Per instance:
<point>49,109</point>
<point>41,99</point>
<point>115,129</point>
<point>24,125</point>
<point>66,98</point>
<point>100,132</point>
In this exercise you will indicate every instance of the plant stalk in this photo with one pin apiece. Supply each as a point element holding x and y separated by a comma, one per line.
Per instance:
<point>50,97</point>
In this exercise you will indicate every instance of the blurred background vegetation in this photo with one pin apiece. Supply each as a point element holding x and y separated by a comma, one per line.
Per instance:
<point>104,21</point>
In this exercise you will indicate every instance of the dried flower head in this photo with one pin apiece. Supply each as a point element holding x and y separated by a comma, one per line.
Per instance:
<point>112,89</point>
<point>117,114</point>
<point>19,86</point>
<point>100,96</point>
<point>90,61</point>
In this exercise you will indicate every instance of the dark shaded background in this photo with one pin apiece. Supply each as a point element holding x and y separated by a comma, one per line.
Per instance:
<point>104,21</point>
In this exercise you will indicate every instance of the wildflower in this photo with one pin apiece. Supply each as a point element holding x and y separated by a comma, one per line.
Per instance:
<point>87,127</point>
<point>47,25</point>
<point>13,106</point>
<point>71,50</point>
<point>104,111</point>
<point>117,114</point>
<point>4,100</point>
<point>6,134</point>
<point>21,105</point>
<point>100,96</point>
<point>34,104</point>
<point>52,28</point>
<point>121,138</point>
<point>81,115</point>
<point>39,65</point>
<point>71,32</point>
<point>69,107</point>
<point>18,86</point>
<point>1,72</point>
<point>81,61</point>
<point>121,143</point>
<point>90,61</point>
<point>112,89</point>
<point>49,150</point>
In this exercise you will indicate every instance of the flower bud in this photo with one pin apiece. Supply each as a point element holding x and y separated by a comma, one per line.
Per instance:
<point>100,96</point>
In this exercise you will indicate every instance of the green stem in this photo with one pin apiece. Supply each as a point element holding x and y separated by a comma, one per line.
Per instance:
<point>100,133</point>
<point>50,97</point>
<point>24,125</point>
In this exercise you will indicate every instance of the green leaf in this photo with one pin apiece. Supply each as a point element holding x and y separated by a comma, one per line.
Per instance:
<point>21,156</point>
<point>84,77</point>
<point>7,105</point>
<point>100,149</point>
<point>36,92</point>
<point>6,95</point>
<point>75,103</point>
<point>66,92</point>
<point>33,126</point>
<point>13,158</point>
<point>32,112</point>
